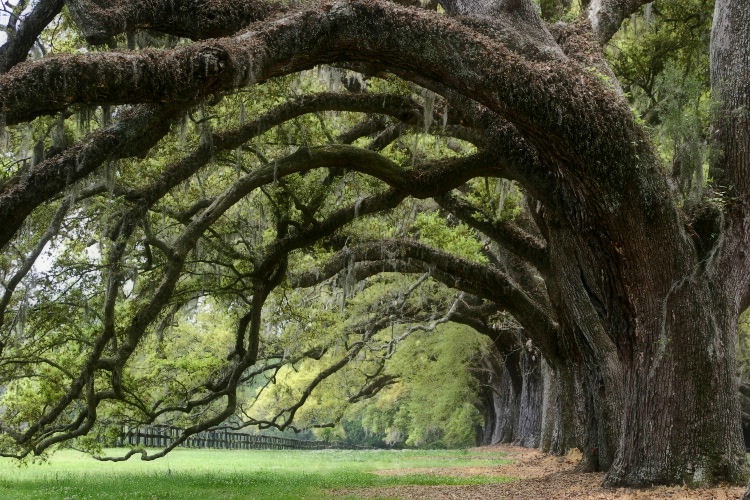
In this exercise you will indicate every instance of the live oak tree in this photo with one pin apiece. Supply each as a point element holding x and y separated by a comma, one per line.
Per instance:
<point>407,410</point>
<point>631,295</point>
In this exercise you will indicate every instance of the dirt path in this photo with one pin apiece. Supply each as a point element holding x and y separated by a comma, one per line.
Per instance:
<point>539,477</point>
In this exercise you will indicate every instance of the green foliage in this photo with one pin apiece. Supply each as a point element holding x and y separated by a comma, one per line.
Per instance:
<point>556,10</point>
<point>457,239</point>
<point>192,349</point>
<point>432,404</point>
<point>62,310</point>
<point>661,60</point>
<point>496,199</point>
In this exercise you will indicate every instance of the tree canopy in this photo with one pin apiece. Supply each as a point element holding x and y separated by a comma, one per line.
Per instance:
<point>199,196</point>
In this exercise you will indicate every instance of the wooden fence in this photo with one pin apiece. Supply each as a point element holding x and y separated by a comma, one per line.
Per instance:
<point>159,436</point>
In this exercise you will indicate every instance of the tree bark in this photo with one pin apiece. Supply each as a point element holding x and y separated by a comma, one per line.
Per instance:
<point>529,427</point>
<point>558,428</point>
<point>17,47</point>
<point>687,361</point>
<point>101,20</point>
<point>502,400</point>
<point>606,16</point>
<point>649,331</point>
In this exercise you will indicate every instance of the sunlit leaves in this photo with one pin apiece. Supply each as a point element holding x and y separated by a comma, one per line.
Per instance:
<point>460,240</point>
<point>432,404</point>
<point>661,59</point>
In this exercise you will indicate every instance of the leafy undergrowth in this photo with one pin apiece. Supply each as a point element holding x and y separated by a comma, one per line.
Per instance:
<point>240,474</point>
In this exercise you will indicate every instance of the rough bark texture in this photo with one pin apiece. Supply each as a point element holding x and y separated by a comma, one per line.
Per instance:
<point>102,20</point>
<point>502,391</point>
<point>22,38</point>
<point>558,428</point>
<point>530,404</point>
<point>606,16</point>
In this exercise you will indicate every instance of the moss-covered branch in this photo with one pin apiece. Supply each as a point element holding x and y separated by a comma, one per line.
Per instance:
<point>195,19</point>
<point>408,256</point>
<point>504,233</point>
<point>21,38</point>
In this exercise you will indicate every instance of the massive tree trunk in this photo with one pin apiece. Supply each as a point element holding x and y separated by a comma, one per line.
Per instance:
<point>685,311</point>
<point>686,360</point>
<point>648,316</point>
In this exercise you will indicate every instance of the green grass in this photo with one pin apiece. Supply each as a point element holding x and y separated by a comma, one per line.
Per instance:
<point>201,474</point>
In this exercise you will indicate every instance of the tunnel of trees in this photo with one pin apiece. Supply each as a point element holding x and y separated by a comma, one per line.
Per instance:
<point>198,198</point>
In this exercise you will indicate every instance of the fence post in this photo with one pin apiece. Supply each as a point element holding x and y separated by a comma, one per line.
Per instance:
<point>164,435</point>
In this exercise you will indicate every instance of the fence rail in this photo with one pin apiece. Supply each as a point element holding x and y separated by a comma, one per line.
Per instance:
<point>159,436</point>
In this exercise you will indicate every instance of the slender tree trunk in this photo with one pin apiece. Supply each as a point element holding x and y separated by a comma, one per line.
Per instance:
<point>528,431</point>
<point>502,390</point>
<point>558,429</point>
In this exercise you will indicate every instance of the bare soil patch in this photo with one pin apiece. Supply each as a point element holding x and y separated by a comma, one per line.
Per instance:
<point>538,476</point>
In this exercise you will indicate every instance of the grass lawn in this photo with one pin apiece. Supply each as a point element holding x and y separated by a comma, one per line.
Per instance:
<point>202,474</point>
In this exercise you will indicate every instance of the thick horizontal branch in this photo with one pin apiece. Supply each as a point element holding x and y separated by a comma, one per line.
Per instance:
<point>504,233</point>
<point>136,132</point>
<point>408,256</point>
<point>196,19</point>
<point>16,49</point>
<point>543,101</point>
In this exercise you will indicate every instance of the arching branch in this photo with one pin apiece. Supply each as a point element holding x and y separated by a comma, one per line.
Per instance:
<point>101,20</point>
<point>504,233</point>
<point>136,132</point>
<point>139,129</point>
<point>403,108</point>
<point>541,100</point>
<point>16,49</point>
<point>46,429</point>
<point>408,256</point>
<point>606,16</point>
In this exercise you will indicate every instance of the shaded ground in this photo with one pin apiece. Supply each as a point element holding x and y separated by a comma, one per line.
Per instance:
<point>538,476</point>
